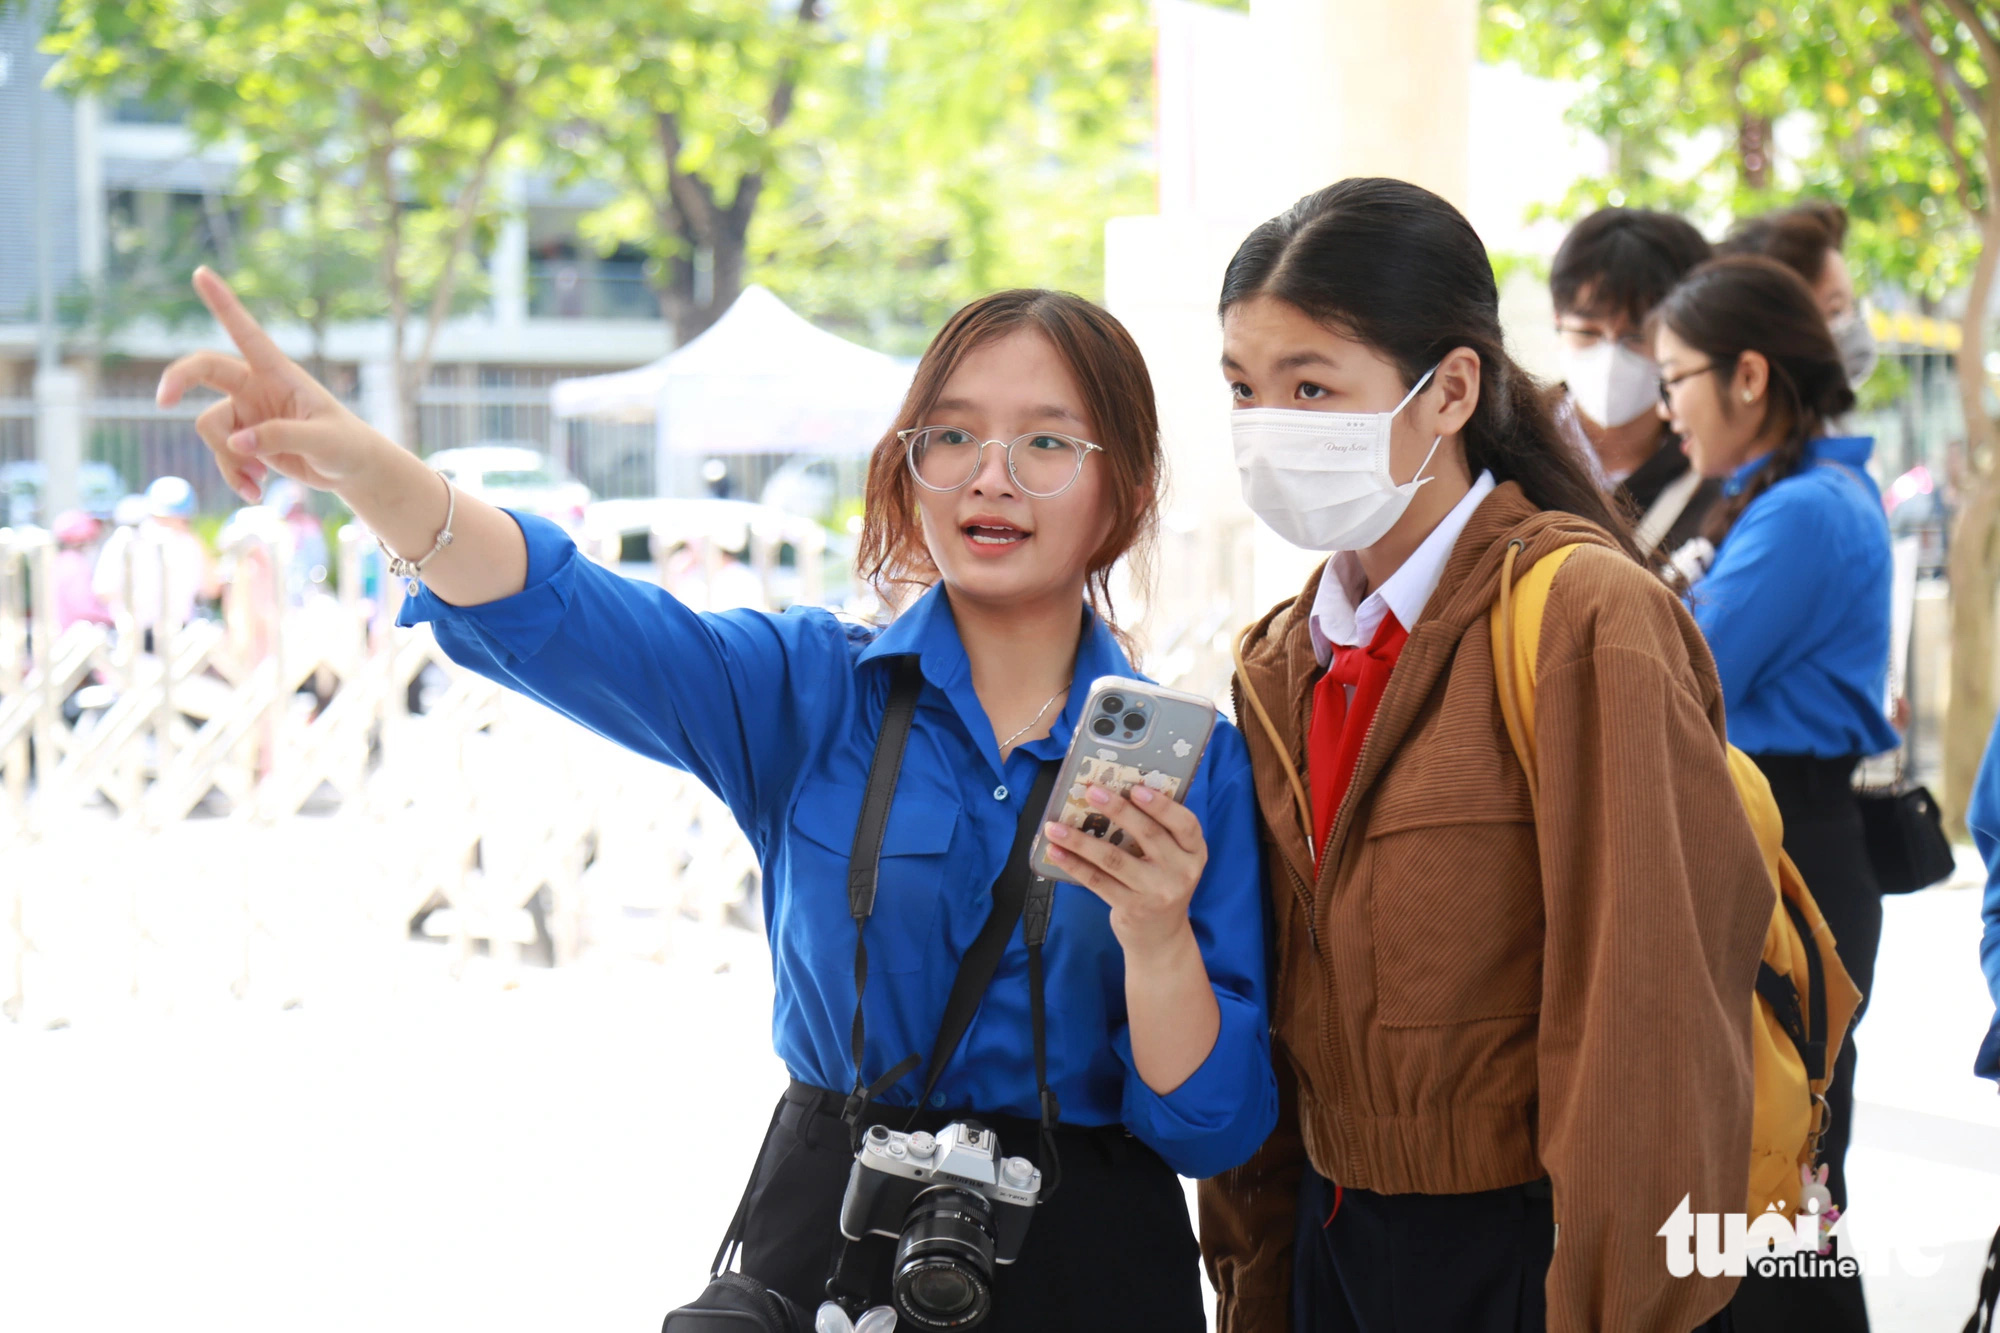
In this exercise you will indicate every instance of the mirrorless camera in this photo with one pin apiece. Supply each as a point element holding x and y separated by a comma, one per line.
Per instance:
<point>955,1208</point>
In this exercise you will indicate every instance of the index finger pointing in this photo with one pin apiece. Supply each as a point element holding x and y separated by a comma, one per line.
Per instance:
<point>243,330</point>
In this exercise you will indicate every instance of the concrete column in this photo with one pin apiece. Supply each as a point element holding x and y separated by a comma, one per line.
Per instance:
<point>1255,111</point>
<point>90,202</point>
<point>378,399</point>
<point>1362,88</point>
<point>508,270</point>
<point>58,436</point>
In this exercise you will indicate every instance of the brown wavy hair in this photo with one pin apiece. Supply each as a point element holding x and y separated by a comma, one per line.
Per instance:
<point>1117,392</point>
<point>1799,237</point>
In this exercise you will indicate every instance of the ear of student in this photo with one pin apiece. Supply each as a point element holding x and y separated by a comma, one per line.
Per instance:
<point>1753,376</point>
<point>1458,381</point>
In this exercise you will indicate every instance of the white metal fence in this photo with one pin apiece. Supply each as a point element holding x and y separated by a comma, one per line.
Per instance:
<point>258,804</point>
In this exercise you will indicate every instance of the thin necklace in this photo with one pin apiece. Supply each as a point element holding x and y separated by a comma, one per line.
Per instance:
<point>1037,717</point>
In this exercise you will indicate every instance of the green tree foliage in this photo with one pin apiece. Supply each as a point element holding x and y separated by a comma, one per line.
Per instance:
<point>1889,107</point>
<point>875,162</point>
<point>385,124</point>
<point>1698,99</point>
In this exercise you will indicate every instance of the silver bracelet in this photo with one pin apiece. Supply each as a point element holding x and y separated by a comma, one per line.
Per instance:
<point>412,571</point>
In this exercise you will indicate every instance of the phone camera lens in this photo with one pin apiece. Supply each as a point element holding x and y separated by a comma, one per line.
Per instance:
<point>1104,726</point>
<point>1134,721</point>
<point>1113,704</point>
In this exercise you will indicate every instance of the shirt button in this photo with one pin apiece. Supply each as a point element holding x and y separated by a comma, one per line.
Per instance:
<point>999,793</point>
<point>937,1099</point>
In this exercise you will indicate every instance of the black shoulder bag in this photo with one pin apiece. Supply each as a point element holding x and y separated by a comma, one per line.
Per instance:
<point>1904,834</point>
<point>737,1302</point>
<point>1900,823</point>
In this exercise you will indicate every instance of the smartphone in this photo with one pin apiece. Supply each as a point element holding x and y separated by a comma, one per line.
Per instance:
<point>1133,733</point>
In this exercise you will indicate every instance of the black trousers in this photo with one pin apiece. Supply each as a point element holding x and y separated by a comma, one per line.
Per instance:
<point>1112,1251</point>
<point>1823,836</point>
<point>1364,1262</point>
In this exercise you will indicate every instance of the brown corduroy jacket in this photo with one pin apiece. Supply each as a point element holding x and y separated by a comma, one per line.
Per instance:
<point>1471,994</point>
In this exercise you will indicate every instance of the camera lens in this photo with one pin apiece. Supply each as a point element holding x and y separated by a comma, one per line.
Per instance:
<point>1113,704</point>
<point>944,1260</point>
<point>1134,721</point>
<point>1104,726</point>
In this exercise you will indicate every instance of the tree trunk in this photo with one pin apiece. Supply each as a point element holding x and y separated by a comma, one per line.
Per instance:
<point>1975,547</point>
<point>1753,148</point>
<point>687,316</point>
<point>727,262</point>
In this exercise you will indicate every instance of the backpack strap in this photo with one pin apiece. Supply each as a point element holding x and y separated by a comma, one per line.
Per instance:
<point>1806,1027</point>
<point>1667,508</point>
<point>1516,622</point>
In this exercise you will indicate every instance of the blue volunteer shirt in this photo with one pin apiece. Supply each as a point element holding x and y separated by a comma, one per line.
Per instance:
<point>1982,816</point>
<point>1796,609</point>
<point>778,715</point>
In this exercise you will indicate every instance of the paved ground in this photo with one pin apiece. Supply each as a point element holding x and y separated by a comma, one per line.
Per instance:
<point>408,1152</point>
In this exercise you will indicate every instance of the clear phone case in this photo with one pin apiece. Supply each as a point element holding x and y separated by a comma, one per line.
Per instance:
<point>1132,733</point>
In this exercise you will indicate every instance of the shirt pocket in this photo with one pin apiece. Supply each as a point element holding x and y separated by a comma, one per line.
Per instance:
<point>1455,914</point>
<point>909,885</point>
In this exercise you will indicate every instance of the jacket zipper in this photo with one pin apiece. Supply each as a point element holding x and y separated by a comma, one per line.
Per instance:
<point>1334,1037</point>
<point>1306,895</point>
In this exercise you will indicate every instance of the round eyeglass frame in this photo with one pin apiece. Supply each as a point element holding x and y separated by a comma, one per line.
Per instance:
<point>1667,386</point>
<point>1084,450</point>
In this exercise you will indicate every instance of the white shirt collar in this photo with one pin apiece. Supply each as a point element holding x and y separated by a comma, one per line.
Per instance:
<point>1338,619</point>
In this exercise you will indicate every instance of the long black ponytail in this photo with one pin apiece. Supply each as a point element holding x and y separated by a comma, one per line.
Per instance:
<point>1395,267</point>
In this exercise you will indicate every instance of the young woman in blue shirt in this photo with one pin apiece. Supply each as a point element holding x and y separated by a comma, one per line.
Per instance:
<point>1157,1033</point>
<point>1795,607</point>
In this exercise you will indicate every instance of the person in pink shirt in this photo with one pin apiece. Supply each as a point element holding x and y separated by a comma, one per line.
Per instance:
<point>76,536</point>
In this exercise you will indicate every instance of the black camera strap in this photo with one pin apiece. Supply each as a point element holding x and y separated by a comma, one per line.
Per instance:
<point>864,867</point>
<point>1018,894</point>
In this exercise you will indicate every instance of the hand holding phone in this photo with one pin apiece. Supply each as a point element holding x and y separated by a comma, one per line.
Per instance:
<point>1114,823</point>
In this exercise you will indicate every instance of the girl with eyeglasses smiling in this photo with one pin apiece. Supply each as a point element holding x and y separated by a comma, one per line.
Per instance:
<point>1795,607</point>
<point>1024,465</point>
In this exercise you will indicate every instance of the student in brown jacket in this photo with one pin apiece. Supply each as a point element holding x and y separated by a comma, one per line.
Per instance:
<point>1491,1016</point>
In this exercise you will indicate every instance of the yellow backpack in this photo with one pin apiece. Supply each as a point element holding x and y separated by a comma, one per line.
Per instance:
<point>1804,999</point>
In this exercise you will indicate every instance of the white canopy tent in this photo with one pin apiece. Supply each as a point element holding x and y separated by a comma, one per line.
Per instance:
<point>760,380</point>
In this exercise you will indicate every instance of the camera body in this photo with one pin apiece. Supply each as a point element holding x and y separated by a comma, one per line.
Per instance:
<point>893,1169</point>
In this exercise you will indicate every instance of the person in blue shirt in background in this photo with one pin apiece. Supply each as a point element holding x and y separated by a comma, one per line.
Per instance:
<point>1158,1035</point>
<point>1795,607</point>
<point>1982,817</point>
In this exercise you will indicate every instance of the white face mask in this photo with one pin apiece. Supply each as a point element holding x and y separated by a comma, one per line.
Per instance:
<point>1856,341</point>
<point>1321,479</point>
<point>1611,383</point>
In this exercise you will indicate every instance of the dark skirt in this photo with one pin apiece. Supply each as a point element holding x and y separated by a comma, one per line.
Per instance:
<point>1112,1250</point>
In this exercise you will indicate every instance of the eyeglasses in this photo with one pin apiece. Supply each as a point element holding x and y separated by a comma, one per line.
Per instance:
<point>1667,386</point>
<point>1583,339</point>
<point>1042,463</point>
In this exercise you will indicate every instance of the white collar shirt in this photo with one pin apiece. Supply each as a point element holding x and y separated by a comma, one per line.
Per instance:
<point>1339,619</point>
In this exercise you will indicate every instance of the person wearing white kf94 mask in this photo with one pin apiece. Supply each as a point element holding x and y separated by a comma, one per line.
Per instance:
<point>1456,999</point>
<point>1324,480</point>
<point>1612,269</point>
<point>1611,384</point>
